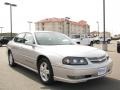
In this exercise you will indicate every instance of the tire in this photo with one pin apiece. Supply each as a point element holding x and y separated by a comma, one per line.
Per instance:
<point>118,49</point>
<point>45,71</point>
<point>108,41</point>
<point>78,42</point>
<point>0,44</point>
<point>98,42</point>
<point>91,44</point>
<point>11,59</point>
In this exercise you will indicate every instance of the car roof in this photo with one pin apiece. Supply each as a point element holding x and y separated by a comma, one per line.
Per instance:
<point>39,31</point>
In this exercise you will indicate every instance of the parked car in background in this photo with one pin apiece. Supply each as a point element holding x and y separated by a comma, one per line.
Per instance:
<point>54,56</point>
<point>82,39</point>
<point>4,40</point>
<point>118,46</point>
<point>99,40</point>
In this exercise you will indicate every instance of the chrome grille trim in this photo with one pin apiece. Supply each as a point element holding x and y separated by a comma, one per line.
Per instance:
<point>97,59</point>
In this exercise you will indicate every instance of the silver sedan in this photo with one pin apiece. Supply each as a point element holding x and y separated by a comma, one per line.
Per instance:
<point>54,56</point>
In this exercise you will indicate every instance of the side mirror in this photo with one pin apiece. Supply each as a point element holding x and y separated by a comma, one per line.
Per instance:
<point>30,43</point>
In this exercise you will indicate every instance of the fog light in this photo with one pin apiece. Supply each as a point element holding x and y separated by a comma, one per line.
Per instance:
<point>74,77</point>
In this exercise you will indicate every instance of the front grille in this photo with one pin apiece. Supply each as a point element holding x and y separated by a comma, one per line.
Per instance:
<point>97,59</point>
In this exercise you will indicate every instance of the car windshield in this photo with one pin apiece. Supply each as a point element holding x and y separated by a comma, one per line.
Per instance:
<point>52,38</point>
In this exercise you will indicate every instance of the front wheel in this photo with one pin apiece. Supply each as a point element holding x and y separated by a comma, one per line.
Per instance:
<point>108,41</point>
<point>45,71</point>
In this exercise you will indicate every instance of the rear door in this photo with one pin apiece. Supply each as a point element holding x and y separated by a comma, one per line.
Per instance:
<point>16,47</point>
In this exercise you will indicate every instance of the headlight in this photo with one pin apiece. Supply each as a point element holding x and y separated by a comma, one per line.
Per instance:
<point>74,61</point>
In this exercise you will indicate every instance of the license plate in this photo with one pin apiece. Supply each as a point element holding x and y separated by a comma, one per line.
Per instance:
<point>102,71</point>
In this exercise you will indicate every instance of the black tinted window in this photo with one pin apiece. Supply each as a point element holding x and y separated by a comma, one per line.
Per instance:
<point>19,38</point>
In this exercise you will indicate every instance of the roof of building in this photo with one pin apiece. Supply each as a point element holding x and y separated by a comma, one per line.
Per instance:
<point>53,20</point>
<point>81,23</point>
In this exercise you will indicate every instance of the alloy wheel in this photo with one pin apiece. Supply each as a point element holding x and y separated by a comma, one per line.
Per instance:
<point>44,71</point>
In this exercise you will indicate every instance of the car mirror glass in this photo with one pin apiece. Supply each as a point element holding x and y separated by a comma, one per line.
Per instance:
<point>30,43</point>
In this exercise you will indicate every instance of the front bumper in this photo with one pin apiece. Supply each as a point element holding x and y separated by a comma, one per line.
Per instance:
<point>76,74</point>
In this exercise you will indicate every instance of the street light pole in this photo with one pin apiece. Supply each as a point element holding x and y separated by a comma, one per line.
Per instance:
<point>1,29</point>
<point>10,4</point>
<point>43,26</point>
<point>11,20</point>
<point>38,26</point>
<point>98,27</point>
<point>29,22</point>
<point>104,42</point>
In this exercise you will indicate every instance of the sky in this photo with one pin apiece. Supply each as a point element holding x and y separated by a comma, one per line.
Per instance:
<point>36,10</point>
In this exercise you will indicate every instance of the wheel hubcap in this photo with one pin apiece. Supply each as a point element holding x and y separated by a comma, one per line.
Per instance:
<point>10,59</point>
<point>44,71</point>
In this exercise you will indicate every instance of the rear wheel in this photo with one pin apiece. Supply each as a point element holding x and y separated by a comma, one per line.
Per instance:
<point>91,43</point>
<point>45,71</point>
<point>11,59</point>
<point>0,44</point>
<point>98,42</point>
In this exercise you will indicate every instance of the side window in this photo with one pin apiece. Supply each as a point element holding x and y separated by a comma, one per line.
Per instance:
<point>19,38</point>
<point>29,39</point>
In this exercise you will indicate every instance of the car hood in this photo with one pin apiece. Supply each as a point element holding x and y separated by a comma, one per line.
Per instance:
<point>75,50</point>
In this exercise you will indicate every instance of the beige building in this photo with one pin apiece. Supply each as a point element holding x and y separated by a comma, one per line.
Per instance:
<point>63,25</point>
<point>101,34</point>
